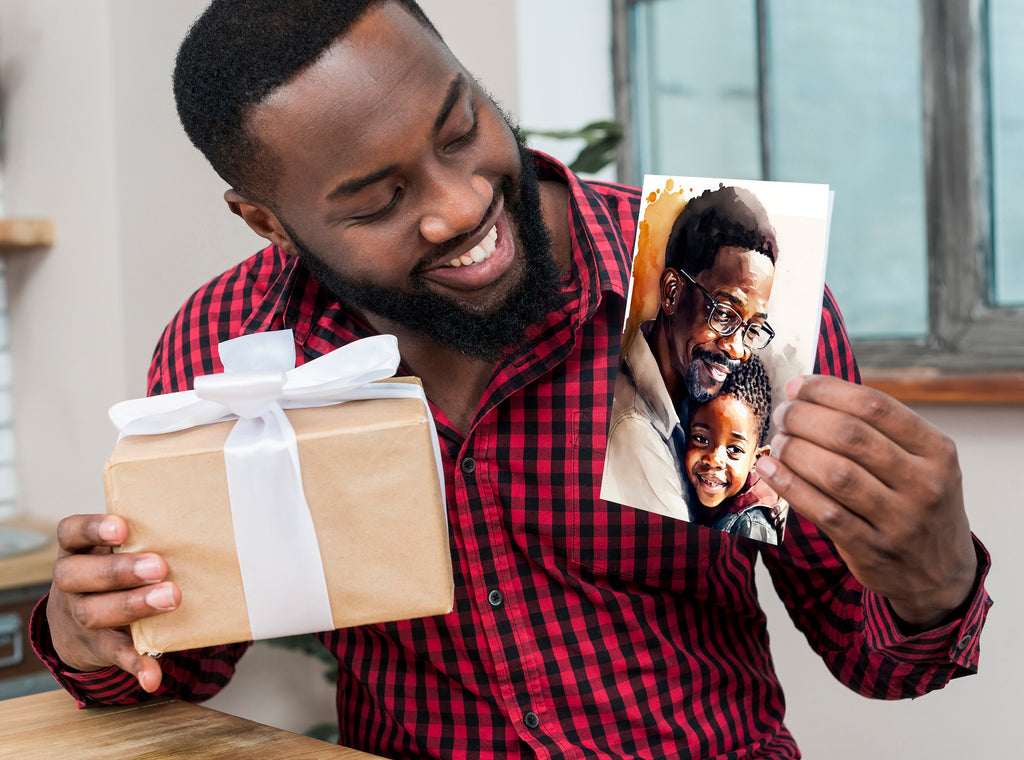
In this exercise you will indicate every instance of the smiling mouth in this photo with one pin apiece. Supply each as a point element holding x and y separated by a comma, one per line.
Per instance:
<point>478,253</point>
<point>710,483</point>
<point>717,372</point>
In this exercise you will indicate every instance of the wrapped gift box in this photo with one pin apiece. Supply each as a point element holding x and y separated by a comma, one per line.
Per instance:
<point>370,476</point>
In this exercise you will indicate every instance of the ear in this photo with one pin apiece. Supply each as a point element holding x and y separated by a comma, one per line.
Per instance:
<point>765,450</point>
<point>670,287</point>
<point>261,220</point>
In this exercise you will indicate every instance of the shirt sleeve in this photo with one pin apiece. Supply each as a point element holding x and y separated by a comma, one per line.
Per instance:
<point>855,630</point>
<point>193,675</point>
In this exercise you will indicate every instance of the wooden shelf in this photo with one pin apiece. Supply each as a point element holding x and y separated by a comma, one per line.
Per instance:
<point>933,386</point>
<point>32,567</point>
<point>24,232</point>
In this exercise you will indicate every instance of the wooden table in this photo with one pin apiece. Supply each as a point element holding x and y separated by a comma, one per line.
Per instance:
<point>49,726</point>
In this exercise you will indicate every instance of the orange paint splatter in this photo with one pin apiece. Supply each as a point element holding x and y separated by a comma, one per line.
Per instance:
<point>657,216</point>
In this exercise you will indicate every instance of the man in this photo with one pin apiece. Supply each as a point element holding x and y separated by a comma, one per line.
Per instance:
<point>719,268</point>
<point>366,154</point>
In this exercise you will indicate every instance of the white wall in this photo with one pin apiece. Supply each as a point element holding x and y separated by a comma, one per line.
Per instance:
<point>975,716</point>
<point>91,140</point>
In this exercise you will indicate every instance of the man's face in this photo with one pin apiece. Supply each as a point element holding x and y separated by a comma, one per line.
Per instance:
<point>721,449</point>
<point>403,187</point>
<point>700,356</point>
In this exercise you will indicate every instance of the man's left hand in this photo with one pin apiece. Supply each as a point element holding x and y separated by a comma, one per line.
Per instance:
<point>884,485</point>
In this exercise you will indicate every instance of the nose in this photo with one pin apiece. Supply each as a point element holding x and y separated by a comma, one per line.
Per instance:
<point>456,204</point>
<point>732,345</point>
<point>714,457</point>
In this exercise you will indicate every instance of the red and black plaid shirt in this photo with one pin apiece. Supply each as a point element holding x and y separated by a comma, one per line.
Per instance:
<point>581,628</point>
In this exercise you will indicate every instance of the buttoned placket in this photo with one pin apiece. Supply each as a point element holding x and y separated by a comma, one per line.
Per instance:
<point>507,626</point>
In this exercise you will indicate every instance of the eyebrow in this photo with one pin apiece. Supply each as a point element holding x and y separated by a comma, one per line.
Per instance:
<point>455,90</point>
<point>736,302</point>
<point>353,186</point>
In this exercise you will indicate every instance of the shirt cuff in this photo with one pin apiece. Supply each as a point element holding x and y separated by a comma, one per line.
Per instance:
<point>110,685</point>
<point>953,641</point>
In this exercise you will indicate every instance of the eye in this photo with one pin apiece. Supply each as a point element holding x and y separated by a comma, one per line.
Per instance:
<point>735,451</point>
<point>380,213</point>
<point>723,317</point>
<point>698,440</point>
<point>466,138</point>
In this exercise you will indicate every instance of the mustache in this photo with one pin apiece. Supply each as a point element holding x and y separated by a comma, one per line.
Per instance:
<point>716,357</point>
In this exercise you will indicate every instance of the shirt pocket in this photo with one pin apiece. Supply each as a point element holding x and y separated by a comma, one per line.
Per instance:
<point>609,540</point>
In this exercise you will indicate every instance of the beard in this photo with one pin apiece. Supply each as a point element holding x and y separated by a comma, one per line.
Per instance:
<point>443,319</point>
<point>698,392</point>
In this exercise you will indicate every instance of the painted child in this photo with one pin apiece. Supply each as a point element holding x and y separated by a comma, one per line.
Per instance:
<point>725,437</point>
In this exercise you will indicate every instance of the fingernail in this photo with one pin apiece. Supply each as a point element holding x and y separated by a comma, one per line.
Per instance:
<point>793,386</point>
<point>780,413</point>
<point>108,530</point>
<point>149,569</point>
<point>160,598</point>
<point>767,467</point>
<point>777,441</point>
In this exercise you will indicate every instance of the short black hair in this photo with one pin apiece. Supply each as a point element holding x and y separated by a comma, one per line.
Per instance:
<point>238,52</point>
<point>751,386</point>
<point>728,216</point>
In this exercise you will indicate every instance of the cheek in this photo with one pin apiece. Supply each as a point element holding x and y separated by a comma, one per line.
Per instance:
<point>739,471</point>
<point>691,459</point>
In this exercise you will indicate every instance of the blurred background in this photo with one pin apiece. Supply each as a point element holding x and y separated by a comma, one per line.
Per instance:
<point>910,111</point>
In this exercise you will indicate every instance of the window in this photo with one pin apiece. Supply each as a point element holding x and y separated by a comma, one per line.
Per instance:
<point>910,111</point>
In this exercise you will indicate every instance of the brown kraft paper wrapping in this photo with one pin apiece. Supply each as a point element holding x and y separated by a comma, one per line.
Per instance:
<point>371,481</point>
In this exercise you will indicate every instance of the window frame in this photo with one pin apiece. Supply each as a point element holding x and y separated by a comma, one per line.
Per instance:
<point>972,346</point>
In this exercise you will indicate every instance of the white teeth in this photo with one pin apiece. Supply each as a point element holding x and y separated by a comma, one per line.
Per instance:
<point>716,372</point>
<point>480,252</point>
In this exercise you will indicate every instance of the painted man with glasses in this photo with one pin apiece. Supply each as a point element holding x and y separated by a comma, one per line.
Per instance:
<point>712,314</point>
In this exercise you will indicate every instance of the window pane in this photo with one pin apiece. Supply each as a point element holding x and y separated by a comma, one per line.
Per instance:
<point>694,79</point>
<point>1006,27</point>
<point>845,94</point>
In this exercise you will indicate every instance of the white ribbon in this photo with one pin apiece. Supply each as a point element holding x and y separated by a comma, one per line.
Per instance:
<point>282,571</point>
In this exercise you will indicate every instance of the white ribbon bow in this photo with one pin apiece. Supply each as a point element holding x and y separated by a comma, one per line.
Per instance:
<point>282,571</point>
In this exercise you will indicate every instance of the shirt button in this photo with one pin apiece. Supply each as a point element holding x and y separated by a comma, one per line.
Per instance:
<point>495,598</point>
<point>964,642</point>
<point>530,720</point>
<point>468,465</point>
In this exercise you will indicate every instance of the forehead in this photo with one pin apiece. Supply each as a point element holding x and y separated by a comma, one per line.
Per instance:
<point>361,98</point>
<point>738,268</point>
<point>725,415</point>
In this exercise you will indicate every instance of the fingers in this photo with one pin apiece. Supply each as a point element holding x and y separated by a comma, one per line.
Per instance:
<point>82,533</point>
<point>97,594</point>
<point>844,434</point>
<point>88,573</point>
<point>872,408</point>
<point>822,480</point>
<point>829,514</point>
<point>861,449</point>
<point>145,669</point>
<point>114,647</point>
<point>121,608</point>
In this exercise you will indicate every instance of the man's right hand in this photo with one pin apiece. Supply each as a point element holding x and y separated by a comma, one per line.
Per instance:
<point>96,594</point>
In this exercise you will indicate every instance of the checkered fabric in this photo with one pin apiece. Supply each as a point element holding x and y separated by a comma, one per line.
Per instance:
<point>581,628</point>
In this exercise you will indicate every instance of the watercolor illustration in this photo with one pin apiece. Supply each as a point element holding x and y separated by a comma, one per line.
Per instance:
<point>724,307</point>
